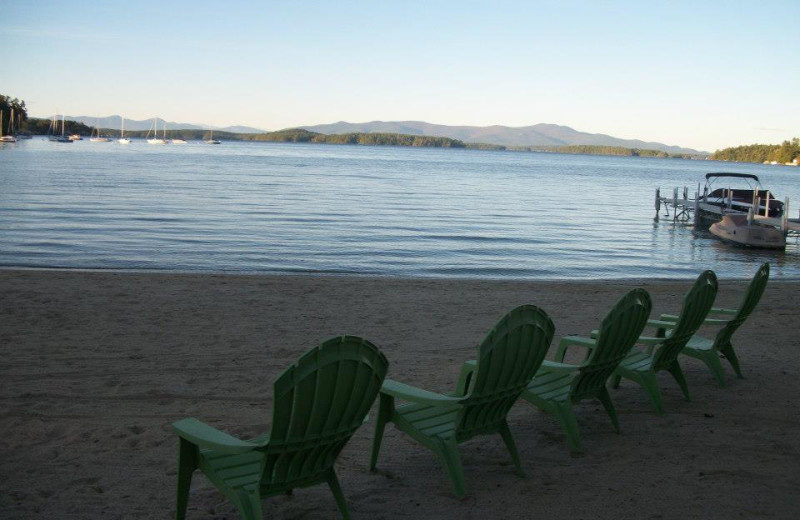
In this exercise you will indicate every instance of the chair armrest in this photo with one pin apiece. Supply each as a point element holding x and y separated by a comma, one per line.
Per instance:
<point>662,324</point>
<point>577,341</point>
<point>417,395</point>
<point>650,340</point>
<point>552,366</point>
<point>719,310</point>
<point>715,321</point>
<point>465,377</point>
<point>208,437</point>
<point>669,317</point>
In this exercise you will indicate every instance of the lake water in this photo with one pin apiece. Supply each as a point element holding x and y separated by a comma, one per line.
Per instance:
<point>409,212</point>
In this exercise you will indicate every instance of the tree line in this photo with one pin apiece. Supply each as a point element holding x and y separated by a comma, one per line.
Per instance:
<point>299,135</point>
<point>585,149</point>
<point>783,153</point>
<point>615,150</point>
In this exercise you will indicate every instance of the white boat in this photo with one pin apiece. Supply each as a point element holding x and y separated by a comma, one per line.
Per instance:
<point>75,137</point>
<point>9,138</point>
<point>741,229</point>
<point>177,141</point>
<point>98,138</point>
<point>122,139</point>
<point>211,139</point>
<point>155,139</point>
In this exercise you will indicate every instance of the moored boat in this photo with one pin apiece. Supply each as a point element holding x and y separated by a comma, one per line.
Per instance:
<point>96,137</point>
<point>726,192</point>
<point>211,139</point>
<point>155,139</point>
<point>122,139</point>
<point>733,207</point>
<point>53,137</point>
<point>741,229</point>
<point>9,137</point>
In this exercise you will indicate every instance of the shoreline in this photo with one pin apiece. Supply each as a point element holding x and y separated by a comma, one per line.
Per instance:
<point>97,365</point>
<point>388,277</point>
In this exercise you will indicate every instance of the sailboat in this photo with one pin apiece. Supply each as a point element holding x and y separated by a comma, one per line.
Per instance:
<point>175,141</point>
<point>10,137</point>
<point>19,134</point>
<point>98,138</point>
<point>122,139</point>
<point>54,138</point>
<point>155,139</point>
<point>211,139</point>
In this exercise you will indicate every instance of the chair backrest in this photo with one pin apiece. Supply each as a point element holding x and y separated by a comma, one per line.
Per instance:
<point>696,305</point>
<point>751,298</point>
<point>619,331</point>
<point>319,402</point>
<point>508,358</point>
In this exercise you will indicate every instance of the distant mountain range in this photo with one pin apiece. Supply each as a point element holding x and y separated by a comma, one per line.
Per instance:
<point>542,134</point>
<point>133,125</point>
<point>536,135</point>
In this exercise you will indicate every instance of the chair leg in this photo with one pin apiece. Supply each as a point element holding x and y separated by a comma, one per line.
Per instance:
<point>250,505</point>
<point>649,382</point>
<point>711,359</point>
<point>730,355</point>
<point>451,459</point>
<point>336,489</point>
<point>505,432</point>
<point>605,398</point>
<point>385,409</point>
<point>187,463</point>
<point>569,423</point>
<point>677,373</point>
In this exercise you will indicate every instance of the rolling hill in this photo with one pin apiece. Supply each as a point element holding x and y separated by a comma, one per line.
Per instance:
<point>541,134</point>
<point>536,135</point>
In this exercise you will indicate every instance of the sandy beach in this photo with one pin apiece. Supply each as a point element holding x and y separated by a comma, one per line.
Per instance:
<point>95,366</point>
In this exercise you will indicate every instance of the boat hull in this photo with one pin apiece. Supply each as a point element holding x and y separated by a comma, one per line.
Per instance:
<point>736,230</point>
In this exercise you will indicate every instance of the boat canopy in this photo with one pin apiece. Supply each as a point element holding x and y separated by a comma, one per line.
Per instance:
<point>738,175</point>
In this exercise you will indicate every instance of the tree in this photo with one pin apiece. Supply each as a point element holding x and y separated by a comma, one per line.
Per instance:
<point>6,105</point>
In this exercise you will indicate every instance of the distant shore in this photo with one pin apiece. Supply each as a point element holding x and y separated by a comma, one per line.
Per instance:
<point>96,365</point>
<point>300,135</point>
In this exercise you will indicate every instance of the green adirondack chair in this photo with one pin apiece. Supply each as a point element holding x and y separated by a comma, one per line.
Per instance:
<point>708,350</point>
<point>642,366</point>
<point>558,386</point>
<point>319,402</point>
<point>507,359</point>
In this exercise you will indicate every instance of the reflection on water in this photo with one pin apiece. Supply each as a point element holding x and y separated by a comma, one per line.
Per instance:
<point>253,207</point>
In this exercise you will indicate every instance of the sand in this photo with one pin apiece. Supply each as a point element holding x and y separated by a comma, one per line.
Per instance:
<point>94,366</point>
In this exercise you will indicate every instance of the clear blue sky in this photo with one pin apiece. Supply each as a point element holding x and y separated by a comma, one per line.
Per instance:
<point>700,74</point>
